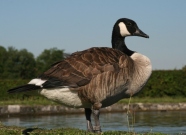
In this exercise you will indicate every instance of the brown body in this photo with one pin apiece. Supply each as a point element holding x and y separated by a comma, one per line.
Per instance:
<point>100,76</point>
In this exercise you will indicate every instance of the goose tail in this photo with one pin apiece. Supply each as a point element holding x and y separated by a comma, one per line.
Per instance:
<point>24,88</point>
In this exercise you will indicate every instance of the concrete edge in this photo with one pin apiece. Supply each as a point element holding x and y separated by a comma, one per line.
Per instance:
<point>58,109</point>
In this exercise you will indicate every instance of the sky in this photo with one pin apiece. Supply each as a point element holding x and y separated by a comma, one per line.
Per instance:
<point>74,25</point>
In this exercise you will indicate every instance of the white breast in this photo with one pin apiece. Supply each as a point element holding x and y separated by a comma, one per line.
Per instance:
<point>143,70</point>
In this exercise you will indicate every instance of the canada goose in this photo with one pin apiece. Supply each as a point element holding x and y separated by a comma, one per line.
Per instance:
<point>97,77</point>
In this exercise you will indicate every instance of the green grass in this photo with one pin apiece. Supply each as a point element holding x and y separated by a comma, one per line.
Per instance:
<point>43,101</point>
<point>30,102</point>
<point>154,100</point>
<point>13,130</point>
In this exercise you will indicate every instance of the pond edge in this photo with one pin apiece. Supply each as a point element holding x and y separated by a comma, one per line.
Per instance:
<point>59,109</point>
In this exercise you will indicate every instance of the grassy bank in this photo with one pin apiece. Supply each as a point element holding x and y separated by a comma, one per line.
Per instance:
<point>7,130</point>
<point>154,100</point>
<point>44,101</point>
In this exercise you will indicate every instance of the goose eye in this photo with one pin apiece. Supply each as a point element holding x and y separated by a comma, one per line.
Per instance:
<point>129,24</point>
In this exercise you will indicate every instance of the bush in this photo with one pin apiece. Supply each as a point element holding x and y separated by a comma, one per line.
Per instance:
<point>8,84</point>
<point>171,83</point>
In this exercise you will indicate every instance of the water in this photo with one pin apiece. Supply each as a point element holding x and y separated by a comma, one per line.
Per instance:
<point>169,122</point>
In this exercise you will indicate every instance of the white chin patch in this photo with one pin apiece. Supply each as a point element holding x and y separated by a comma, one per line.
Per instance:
<point>123,29</point>
<point>37,82</point>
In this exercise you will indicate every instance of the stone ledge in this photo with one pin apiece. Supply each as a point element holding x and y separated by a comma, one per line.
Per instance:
<point>58,109</point>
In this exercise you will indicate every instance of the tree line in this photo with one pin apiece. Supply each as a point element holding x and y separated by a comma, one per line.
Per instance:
<point>17,67</point>
<point>21,64</point>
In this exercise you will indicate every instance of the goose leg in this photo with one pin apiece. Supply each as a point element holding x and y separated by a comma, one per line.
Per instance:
<point>97,127</point>
<point>88,112</point>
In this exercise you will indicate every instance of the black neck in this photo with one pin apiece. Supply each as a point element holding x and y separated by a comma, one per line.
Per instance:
<point>119,44</point>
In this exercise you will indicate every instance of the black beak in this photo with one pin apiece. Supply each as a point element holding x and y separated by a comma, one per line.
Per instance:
<point>140,34</point>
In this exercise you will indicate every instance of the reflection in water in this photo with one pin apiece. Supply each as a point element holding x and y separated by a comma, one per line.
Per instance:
<point>165,122</point>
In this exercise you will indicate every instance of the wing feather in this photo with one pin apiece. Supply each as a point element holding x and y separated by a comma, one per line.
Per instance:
<point>81,67</point>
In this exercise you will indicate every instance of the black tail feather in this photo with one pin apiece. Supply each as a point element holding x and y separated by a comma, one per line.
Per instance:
<point>24,88</point>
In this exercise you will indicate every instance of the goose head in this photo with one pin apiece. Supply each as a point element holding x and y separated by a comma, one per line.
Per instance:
<point>122,28</point>
<point>127,27</point>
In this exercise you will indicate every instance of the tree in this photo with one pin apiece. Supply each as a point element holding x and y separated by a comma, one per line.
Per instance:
<point>19,64</point>
<point>47,58</point>
<point>3,57</point>
<point>184,68</point>
<point>26,64</point>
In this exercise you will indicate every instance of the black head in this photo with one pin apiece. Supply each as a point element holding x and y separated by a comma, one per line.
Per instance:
<point>127,27</point>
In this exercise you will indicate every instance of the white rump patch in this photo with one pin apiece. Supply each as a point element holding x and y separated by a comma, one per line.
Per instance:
<point>64,96</point>
<point>37,82</point>
<point>123,29</point>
